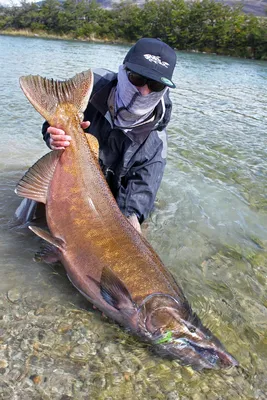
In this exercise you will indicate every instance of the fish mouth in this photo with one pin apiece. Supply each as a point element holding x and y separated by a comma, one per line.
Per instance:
<point>214,358</point>
<point>199,356</point>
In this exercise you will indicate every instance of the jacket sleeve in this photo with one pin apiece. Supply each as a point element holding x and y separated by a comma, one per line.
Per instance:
<point>46,135</point>
<point>138,192</point>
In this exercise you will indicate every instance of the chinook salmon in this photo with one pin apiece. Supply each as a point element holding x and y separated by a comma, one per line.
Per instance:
<point>105,258</point>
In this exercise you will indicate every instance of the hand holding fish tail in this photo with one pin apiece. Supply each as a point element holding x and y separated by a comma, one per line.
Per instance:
<point>85,124</point>
<point>58,138</point>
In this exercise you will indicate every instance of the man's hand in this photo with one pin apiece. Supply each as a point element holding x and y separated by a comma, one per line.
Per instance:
<point>135,223</point>
<point>58,138</point>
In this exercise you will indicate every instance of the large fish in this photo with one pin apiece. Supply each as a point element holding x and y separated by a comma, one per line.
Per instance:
<point>105,258</point>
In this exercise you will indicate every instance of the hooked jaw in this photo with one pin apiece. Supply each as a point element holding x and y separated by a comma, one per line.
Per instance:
<point>196,355</point>
<point>176,332</point>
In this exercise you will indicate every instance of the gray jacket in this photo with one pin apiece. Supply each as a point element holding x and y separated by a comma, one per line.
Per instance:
<point>132,160</point>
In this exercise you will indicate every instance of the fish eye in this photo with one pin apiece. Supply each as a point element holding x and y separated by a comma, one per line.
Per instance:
<point>192,329</point>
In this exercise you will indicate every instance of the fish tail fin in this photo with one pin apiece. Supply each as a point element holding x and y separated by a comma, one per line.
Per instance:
<point>47,94</point>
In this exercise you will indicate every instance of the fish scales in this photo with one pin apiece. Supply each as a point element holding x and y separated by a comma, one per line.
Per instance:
<point>110,246</point>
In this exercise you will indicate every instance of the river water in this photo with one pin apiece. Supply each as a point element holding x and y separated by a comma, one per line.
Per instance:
<point>209,227</point>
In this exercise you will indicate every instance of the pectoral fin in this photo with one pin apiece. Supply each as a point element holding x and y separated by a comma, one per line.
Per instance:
<point>58,243</point>
<point>115,293</point>
<point>35,183</point>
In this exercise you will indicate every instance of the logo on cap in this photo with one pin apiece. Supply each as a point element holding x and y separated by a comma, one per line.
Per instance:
<point>156,60</point>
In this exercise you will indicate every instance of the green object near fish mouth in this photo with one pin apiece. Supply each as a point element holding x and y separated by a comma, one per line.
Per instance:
<point>167,337</point>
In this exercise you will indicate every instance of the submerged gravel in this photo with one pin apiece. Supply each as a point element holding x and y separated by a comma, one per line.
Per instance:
<point>51,351</point>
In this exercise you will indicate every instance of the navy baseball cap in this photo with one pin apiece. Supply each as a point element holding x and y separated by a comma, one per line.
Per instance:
<point>153,59</point>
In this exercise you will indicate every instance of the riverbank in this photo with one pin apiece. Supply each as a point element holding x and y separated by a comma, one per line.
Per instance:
<point>44,35</point>
<point>185,26</point>
<point>106,40</point>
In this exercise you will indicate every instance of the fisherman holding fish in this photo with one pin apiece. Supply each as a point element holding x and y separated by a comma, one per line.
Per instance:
<point>104,256</point>
<point>128,114</point>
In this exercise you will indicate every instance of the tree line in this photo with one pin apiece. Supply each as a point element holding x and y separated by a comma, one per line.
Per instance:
<point>205,26</point>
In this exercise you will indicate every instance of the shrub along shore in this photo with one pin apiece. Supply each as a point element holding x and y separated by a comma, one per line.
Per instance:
<point>204,26</point>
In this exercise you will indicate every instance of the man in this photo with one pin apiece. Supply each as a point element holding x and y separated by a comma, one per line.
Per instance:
<point>128,114</point>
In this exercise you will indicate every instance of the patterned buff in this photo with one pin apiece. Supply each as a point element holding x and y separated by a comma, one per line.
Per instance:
<point>131,108</point>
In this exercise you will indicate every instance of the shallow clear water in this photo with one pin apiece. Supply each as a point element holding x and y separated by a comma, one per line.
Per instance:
<point>209,227</point>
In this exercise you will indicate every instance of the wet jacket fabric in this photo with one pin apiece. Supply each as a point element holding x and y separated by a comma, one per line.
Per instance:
<point>132,160</point>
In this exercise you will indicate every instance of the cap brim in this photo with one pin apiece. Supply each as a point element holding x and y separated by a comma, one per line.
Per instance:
<point>150,73</point>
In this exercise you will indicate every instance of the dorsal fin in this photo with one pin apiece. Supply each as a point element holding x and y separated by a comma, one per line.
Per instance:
<point>47,94</point>
<point>35,183</point>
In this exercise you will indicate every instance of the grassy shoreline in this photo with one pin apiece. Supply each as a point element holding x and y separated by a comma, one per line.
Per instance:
<point>44,35</point>
<point>94,39</point>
